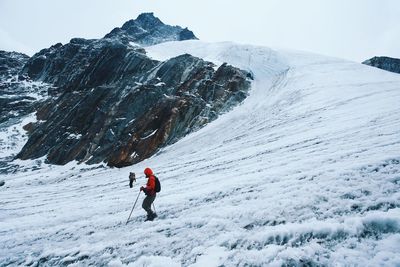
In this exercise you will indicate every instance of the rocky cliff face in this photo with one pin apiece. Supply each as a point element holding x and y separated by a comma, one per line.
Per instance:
<point>18,94</point>
<point>149,30</point>
<point>385,63</point>
<point>84,64</point>
<point>11,63</point>
<point>112,103</point>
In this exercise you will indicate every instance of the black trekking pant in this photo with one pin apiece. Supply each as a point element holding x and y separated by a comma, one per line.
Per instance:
<point>147,201</point>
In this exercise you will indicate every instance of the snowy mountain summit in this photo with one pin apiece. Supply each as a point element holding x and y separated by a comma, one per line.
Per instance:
<point>304,170</point>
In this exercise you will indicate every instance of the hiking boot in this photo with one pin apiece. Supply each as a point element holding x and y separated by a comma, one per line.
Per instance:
<point>151,217</point>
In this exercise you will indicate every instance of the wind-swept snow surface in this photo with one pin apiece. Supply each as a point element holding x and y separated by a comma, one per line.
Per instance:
<point>305,172</point>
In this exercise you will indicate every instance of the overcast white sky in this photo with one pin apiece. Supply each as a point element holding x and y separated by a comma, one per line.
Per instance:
<point>352,29</point>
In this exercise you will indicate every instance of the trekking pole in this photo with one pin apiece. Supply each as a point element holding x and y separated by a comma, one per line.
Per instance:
<point>133,208</point>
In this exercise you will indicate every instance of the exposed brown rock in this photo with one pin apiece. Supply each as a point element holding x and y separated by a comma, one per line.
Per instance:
<point>111,103</point>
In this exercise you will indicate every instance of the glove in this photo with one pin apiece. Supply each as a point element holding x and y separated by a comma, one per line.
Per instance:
<point>142,188</point>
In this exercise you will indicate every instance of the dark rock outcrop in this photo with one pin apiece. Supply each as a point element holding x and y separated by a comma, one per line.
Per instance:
<point>17,93</point>
<point>11,63</point>
<point>112,103</point>
<point>84,64</point>
<point>385,63</point>
<point>149,30</point>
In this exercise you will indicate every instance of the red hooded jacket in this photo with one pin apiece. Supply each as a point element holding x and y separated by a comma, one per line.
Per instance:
<point>150,188</point>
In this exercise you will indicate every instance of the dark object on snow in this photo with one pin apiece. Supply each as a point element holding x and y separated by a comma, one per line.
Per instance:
<point>132,178</point>
<point>151,217</point>
<point>2,183</point>
<point>384,63</point>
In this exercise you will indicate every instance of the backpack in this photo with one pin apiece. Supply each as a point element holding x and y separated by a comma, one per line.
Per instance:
<point>158,185</point>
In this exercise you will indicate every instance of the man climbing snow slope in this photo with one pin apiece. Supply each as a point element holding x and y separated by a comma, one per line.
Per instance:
<point>150,191</point>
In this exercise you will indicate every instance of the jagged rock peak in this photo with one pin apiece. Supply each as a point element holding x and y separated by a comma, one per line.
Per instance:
<point>17,94</point>
<point>147,29</point>
<point>146,20</point>
<point>13,54</point>
<point>11,62</point>
<point>384,63</point>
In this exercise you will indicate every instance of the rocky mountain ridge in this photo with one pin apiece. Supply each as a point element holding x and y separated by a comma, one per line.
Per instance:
<point>150,30</point>
<point>18,94</point>
<point>385,63</point>
<point>110,102</point>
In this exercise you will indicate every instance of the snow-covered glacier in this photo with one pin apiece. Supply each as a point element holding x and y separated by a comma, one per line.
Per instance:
<point>305,172</point>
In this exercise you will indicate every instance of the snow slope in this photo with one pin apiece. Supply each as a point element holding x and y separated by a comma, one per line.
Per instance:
<point>305,172</point>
